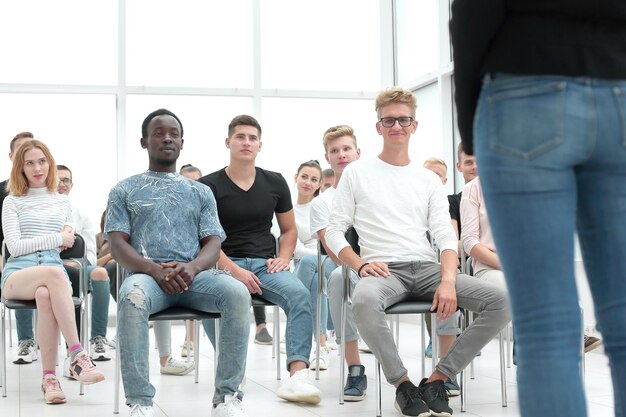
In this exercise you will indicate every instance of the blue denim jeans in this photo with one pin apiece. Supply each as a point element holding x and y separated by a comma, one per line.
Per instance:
<point>552,158</point>
<point>211,291</point>
<point>283,289</point>
<point>306,271</point>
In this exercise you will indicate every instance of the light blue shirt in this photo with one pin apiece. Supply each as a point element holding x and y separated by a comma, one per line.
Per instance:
<point>165,214</point>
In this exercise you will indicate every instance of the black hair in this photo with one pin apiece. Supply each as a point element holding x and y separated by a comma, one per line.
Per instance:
<point>156,113</point>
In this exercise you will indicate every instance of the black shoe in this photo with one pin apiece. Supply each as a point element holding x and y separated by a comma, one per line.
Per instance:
<point>356,386</point>
<point>435,396</point>
<point>409,402</point>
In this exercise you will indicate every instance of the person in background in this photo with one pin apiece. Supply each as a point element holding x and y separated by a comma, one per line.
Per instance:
<point>97,276</point>
<point>328,179</point>
<point>307,180</point>
<point>540,94</point>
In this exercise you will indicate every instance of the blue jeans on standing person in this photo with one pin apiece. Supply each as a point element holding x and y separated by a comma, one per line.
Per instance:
<point>552,157</point>
<point>306,271</point>
<point>283,289</point>
<point>210,291</point>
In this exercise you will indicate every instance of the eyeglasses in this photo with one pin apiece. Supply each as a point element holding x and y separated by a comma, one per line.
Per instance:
<point>390,121</point>
<point>65,181</point>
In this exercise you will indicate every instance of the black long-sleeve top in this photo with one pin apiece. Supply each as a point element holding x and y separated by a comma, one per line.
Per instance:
<point>533,37</point>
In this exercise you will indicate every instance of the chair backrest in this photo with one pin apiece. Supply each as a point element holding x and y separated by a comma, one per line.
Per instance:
<point>353,239</point>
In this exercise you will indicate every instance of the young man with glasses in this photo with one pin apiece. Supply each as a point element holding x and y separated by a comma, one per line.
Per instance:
<point>97,276</point>
<point>392,202</point>
<point>247,198</point>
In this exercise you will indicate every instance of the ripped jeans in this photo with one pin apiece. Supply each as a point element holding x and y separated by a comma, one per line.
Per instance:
<point>211,291</point>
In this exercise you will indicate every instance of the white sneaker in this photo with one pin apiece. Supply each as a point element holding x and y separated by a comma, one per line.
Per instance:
<point>331,341</point>
<point>177,367</point>
<point>231,407</point>
<point>137,410</point>
<point>111,343</point>
<point>26,352</point>
<point>363,346</point>
<point>298,388</point>
<point>98,349</point>
<point>66,368</point>
<point>323,359</point>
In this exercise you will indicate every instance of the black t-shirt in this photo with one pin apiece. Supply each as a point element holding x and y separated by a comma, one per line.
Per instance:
<point>3,193</point>
<point>454,200</point>
<point>246,216</point>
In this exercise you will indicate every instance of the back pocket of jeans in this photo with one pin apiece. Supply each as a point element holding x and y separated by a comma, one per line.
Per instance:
<point>526,120</point>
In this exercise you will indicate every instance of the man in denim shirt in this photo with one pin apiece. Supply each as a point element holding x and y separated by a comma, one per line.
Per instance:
<point>163,228</point>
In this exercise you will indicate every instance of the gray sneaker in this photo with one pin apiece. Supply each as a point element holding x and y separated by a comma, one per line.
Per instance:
<point>26,352</point>
<point>263,337</point>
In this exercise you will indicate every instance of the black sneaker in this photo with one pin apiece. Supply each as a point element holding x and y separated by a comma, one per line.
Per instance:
<point>356,386</point>
<point>435,396</point>
<point>409,401</point>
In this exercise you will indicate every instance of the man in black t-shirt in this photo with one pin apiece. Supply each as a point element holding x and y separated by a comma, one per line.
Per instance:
<point>247,199</point>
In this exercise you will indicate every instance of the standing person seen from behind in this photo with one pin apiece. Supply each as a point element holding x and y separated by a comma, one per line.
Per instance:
<point>541,99</point>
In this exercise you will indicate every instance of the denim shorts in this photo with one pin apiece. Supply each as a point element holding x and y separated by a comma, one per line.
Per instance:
<point>38,258</point>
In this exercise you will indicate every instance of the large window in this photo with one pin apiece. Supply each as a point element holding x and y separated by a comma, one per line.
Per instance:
<point>322,45</point>
<point>59,42</point>
<point>83,75</point>
<point>81,140</point>
<point>189,43</point>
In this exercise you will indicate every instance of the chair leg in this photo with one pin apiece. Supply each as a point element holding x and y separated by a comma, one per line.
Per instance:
<point>196,345</point>
<point>471,319</point>
<point>435,341</point>
<point>277,339</point>
<point>4,354</point>
<point>118,365</point>
<point>509,348</point>
<point>423,355</point>
<point>342,332</point>
<point>379,404</point>
<point>502,370</point>
<point>218,324</point>
<point>10,331</point>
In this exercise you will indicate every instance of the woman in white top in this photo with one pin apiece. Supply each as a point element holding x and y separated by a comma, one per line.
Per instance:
<point>308,182</point>
<point>36,225</point>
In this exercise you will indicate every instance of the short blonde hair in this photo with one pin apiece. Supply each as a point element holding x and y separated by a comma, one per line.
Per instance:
<point>336,132</point>
<point>435,161</point>
<point>18,184</point>
<point>395,95</point>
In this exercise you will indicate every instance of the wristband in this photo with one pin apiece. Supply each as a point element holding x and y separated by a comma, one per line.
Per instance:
<point>361,268</point>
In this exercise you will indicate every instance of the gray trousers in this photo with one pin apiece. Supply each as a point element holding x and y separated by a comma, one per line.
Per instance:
<point>335,296</point>
<point>419,280</point>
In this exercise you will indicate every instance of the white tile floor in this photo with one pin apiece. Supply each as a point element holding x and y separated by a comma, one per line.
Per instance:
<point>179,396</point>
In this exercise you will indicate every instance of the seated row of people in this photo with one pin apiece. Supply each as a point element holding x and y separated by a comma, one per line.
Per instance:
<point>169,232</point>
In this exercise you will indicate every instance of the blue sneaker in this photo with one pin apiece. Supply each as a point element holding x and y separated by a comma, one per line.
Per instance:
<point>356,386</point>
<point>452,387</point>
<point>429,350</point>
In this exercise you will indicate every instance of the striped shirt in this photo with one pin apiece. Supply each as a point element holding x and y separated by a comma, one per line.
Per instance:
<point>34,221</point>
